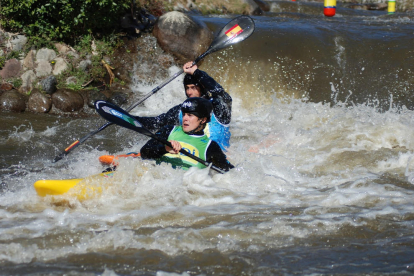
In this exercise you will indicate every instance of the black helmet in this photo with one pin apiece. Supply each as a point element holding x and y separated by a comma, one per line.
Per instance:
<point>190,79</point>
<point>197,106</point>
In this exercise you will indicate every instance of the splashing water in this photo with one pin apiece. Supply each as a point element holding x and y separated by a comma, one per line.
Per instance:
<point>319,187</point>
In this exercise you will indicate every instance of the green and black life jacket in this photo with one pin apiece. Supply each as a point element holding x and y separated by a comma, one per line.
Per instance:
<point>194,144</point>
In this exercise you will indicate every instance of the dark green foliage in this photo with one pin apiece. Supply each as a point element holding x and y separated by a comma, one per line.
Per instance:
<point>38,42</point>
<point>2,61</point>
<point>62,20</point>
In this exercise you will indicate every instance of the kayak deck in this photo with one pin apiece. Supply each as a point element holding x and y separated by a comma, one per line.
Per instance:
<point>82,188</point>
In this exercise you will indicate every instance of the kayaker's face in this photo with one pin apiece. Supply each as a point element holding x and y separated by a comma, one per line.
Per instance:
<point>192,90</point>
<point>191,122</point>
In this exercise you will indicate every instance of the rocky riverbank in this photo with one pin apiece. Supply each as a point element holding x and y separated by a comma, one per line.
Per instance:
<point>63,80</point>
<point>52,80</point>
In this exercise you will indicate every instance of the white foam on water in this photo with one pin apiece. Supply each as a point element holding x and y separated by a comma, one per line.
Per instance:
<point>50,131</point>
<point>22,134</point>
<point>164,99</point>
<point>163,273</point>
<point>303,170</point>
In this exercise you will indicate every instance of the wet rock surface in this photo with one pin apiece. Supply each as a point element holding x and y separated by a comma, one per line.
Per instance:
<point>39,102</point>
<point>67,100</point>
<point>12,100</point>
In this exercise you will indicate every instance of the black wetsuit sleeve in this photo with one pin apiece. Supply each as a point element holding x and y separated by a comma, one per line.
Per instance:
<point>171,117</point>
<point>154,149</point>
<point>221,100</point>
<point>216,156</point>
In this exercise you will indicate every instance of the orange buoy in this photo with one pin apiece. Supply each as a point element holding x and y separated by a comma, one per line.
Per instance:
<point>329,7</point>
<point>391,6</point>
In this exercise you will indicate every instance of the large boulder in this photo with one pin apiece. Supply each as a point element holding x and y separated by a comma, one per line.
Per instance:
<point>11,69</point>
<point>12,100</point>
<point>67,100</point>
<point>253,7</point>
<point>182,36</point>
<point>39,102</point>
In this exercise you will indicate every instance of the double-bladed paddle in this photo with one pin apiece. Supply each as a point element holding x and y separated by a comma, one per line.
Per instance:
<point>235,31</point>
<point>117,115</point>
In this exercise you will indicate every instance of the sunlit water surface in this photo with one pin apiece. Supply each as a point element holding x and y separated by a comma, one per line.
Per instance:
<point>318,188</point>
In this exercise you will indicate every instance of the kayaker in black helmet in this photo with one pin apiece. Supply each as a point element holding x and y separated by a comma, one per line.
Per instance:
<point>198,83</point>
<point>190,136</point>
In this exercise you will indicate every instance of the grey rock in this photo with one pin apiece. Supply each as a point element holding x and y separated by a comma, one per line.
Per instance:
<point>73,55</point>
<point>60,66</point>
<point>18,42</point>
<point>43,68</point>
<point>49,84</point>
<point>45,54</point>
<point>28,79</point>
<point>71,80</point>
<point>85,65</point>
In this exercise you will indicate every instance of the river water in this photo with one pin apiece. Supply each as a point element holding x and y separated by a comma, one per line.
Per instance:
<point>322,140</point>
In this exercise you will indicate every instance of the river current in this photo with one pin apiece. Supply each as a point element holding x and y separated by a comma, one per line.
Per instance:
<point>322,143</point>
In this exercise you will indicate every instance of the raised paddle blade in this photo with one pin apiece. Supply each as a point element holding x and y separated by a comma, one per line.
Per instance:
<point>235,31</point>
<point>117,115</point>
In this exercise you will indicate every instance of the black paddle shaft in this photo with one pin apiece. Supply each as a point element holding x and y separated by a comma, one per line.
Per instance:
<point>235,31</point>
<point>117,115</point>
